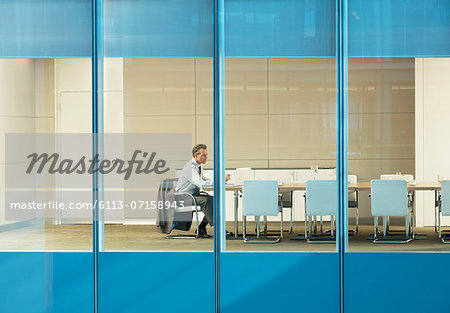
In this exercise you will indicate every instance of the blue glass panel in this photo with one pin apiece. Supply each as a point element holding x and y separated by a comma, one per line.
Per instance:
<point>170,282</point>
<point>158,28</point>
<point>396,282</point>
<point>399,28</point>
<point>279,282</point>
<point>45,28</point>
<point>279,28</point>
<point>47,282</point>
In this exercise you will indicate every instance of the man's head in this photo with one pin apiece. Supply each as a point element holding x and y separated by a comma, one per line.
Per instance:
<point>200,153</point>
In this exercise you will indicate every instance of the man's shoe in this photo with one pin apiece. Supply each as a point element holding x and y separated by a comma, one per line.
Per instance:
<point>229,234</point>
<point>202,233</point>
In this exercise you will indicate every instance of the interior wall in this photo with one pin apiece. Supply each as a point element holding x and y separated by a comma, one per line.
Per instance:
<point>280,113</point>
<point>26,98</point>
<point>270,107</point>
<point>432,147</point>
<point>381,120</point>
<point>73,103</point>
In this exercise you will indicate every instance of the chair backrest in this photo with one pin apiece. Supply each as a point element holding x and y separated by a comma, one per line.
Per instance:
<point>260,198</point>
<point>352,179</point>
<point>241,174</point>
<point>445,197</point>
<point>389,197</point>
<point>321,197</point>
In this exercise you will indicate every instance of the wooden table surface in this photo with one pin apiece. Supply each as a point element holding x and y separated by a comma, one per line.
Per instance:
<point>357,186</point>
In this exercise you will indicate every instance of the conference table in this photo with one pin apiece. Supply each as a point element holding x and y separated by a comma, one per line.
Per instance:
<point>291,187</point>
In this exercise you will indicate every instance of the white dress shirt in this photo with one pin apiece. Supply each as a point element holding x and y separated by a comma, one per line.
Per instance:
<point>190,180</point>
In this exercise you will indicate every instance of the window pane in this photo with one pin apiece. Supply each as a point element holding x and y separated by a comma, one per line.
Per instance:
<point>158,98</point>
<point>280,112</point>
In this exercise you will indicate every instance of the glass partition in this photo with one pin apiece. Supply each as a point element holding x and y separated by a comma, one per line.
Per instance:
<point>46,91</point>
<point>280,116</point>
<point>158,99</point>
<point>46,259</point>
<point>396,83</point>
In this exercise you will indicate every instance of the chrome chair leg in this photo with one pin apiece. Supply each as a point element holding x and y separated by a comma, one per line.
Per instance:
<point>244,227</point>
<point>332,226</point>
<point>265,224</point>
<point>258,227</point>
<point>375,227</point>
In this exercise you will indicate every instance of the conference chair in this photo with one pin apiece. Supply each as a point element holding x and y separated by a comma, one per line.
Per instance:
<point>283,177</point>
<point>409,179</point>
<point>260,198</point>
<point>444,209</point>
<point>321,199</point>
<point>178,214</point>
<point>391,198</point>
<point>353,203</point>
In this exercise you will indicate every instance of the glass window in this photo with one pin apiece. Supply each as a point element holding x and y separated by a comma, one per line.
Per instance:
<point>396,119</point>
<point>158,98</point>
<point>45,91</point>
<point>280,112</point>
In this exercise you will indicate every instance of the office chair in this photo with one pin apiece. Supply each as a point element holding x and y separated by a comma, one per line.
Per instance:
<point>444,209</point>
<point>391,198</point>
<point>260,198</point>
<point>283,177</point>
<point>321,199</point>
<point>353,203</point>
<point>406,177</point>
<point>180,216</point>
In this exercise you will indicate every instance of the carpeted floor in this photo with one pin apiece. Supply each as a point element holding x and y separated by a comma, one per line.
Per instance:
<point>146,238</point>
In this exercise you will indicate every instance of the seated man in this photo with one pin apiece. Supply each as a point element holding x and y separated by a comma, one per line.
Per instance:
<point>191,180</point>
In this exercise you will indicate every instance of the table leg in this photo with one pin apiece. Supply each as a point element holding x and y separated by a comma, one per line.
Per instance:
<point>414,235</point>
<point>236,203</point>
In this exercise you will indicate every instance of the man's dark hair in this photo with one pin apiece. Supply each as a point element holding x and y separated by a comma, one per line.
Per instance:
<point>197,148</point>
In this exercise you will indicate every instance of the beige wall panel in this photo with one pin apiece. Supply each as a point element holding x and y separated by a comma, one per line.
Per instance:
<point>302,86</point>
<point>13,125</point>
<point>44,88</point>
<point>17,95</point>
<point>204,95</point>
<point>73,74</point>
<point>308,136</point>
<point>75,114</point>
<point>205,132</point>
<point>381,85</point>
<point>246,137</point>
<point>245,163</point>
<point>159,86</point>
<point>160,124</point>
<point>381,136</point>
<point>113,68</point>
<point>44,125</point>
<point>302,163</point>
<point>367,170</point>
<point>245,86</point>
<point>113,112</point>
